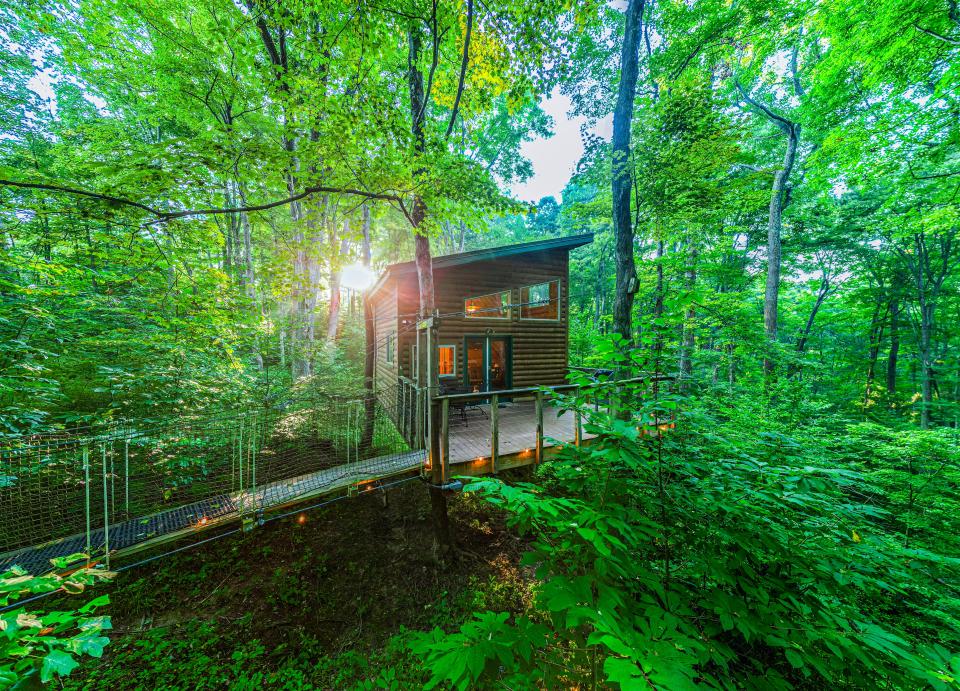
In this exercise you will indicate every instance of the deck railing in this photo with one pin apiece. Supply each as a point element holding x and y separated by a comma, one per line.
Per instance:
<point>598,394</point>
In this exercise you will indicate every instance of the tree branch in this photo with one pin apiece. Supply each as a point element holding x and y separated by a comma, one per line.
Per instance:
<point>781,122</point>
<point>934,34</point>
<point>931,176</point>
<point>161,216</point>
<point>434,61</point>
<point>82,193</point>
<point>463,68</point>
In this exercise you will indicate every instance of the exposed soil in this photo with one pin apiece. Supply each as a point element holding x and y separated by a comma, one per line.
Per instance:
<point>345,577</point>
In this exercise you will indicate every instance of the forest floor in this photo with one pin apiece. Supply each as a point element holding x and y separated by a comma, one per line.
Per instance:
<point>326,603</point>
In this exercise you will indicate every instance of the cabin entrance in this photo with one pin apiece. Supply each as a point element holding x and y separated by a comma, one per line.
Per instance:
<point>488,363</point>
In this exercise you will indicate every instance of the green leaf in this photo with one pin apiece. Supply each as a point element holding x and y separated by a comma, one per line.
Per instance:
<point>57,663</point>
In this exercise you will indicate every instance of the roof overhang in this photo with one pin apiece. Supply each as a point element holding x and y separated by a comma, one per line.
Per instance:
<point>568,243</point>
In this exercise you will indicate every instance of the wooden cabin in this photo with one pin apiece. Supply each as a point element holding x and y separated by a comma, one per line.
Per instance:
<point>502,317</point>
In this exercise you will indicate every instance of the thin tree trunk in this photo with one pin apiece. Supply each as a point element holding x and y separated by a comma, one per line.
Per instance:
<point>248,279</point>
<point>778,200</point>
<point>369,358</point>
<point>658,298</point>
<point>622,178</point>
<point>774,229</point>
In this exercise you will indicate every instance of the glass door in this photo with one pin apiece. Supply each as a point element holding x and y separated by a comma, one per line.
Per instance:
<point>488,365</point>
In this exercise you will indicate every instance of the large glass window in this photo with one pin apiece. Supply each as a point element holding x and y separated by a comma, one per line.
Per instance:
<point>493,306</point>
<point>540,301</point>
<point>447,360</point>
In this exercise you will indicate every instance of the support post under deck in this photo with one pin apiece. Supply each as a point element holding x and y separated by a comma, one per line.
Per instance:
<point>538,454</point>
<point>494,431</point>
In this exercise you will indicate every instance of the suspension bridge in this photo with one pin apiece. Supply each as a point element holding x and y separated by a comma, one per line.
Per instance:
<point>99,496</point>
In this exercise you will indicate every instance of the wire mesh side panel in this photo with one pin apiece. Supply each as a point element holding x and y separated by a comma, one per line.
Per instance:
<point>96,495</point>
<point>135,485</point>
<point>323,443</point>
<point>43,488</point>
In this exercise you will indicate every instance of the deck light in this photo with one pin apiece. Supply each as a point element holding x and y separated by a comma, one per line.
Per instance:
<point>203,521</point>
<point>302,518</point>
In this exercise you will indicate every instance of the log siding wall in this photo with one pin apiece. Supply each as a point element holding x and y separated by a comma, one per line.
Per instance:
<point>539,347</point>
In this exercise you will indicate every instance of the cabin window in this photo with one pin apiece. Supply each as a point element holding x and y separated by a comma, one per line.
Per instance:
<point>492,306</point>
<point>540,301</point>
<point>391,346</point>
<point>447,361</point>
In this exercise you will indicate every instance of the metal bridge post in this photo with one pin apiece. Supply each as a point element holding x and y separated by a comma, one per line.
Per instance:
<point>86,487</point>
<point>106,508</point>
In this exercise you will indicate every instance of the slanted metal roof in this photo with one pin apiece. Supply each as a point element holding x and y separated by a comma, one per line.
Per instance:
<point>570,242</point>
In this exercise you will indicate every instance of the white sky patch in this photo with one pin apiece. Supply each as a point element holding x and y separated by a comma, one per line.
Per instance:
<point>41,83</point>
<point>555,158</point>
<point>357,277</point>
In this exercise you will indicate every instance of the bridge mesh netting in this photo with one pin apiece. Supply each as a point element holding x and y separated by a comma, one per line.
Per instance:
<point>127,486</point>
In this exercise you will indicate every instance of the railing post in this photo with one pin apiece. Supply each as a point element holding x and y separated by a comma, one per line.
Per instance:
<point>494,431</point>
<point>126,477</point>
<point>253,460</point>
<point>418,422</point>
<point>445,439</point>
<point>538,454</point>
<point>240,461</point>
<point>578,423</point>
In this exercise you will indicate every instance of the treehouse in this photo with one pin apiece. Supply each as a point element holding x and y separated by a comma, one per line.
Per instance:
<point>502,318</point>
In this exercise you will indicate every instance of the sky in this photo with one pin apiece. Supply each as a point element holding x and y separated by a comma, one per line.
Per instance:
<point>555,158</point>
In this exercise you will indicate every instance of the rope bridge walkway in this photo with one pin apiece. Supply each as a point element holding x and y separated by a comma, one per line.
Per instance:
<point>126,489</point>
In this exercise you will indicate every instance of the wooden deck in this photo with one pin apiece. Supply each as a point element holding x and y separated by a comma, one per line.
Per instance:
<point>470,433</point>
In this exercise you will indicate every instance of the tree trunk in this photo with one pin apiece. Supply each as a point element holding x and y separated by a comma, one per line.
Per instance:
<point>926,363</point>
<point>778,200</point>
<point>443,536</point>
<point>808,327</point>
<point>873,353</point>
<point>689,335</point>
<point>622,179</point>
<point>248,275</point>
<point>894,347</point>
<point>774,229</point>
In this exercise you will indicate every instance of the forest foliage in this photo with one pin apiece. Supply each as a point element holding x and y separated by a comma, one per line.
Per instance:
<point>183,184</point>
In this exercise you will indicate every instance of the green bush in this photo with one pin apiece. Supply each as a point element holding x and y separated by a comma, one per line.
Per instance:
<point>712,555</point>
